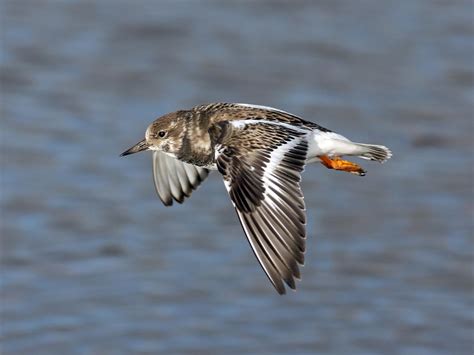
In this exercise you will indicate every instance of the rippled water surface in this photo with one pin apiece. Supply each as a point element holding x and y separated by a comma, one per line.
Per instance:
<point>92,263</point>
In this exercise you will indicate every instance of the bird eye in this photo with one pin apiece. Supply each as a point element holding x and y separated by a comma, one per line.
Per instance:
<point>161,134</point>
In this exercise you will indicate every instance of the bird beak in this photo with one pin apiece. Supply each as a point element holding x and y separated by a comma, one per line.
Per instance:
<point>140,146</point>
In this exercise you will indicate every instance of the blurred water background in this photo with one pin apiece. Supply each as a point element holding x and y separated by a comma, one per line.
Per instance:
<point>92,263</point>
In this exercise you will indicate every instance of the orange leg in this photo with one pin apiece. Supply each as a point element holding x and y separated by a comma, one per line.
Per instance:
<point>337,163</point>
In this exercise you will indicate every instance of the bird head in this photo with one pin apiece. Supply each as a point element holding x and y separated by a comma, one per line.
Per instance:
<point>163,134</point>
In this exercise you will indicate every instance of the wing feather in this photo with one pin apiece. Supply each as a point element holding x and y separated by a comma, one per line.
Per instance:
<point>174,179</point>
<point>261,163</point>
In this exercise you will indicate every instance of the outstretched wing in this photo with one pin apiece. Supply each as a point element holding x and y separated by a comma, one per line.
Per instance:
<point>174,179</point>
<point>261,163</point>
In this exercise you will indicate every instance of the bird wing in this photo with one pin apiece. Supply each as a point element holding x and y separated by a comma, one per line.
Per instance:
<point>261,163</point>
<point>174,179</point>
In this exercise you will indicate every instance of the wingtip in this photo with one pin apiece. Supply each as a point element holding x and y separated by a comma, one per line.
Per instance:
<point>282,291</point>
<point>167,203</point>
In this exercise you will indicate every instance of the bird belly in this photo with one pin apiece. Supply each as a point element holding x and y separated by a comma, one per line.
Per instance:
<point>327,143</point>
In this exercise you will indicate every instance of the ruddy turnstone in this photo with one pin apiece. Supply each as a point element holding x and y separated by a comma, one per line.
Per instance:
<point>260,152</point>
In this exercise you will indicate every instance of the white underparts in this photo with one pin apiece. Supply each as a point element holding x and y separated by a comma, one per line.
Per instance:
<point>333,144</point>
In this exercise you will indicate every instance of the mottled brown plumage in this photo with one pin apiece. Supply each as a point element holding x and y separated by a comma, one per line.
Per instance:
<point>260,153</point>
<point>188,130</point>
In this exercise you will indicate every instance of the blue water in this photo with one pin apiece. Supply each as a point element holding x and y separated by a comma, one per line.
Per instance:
<point>92,263</point>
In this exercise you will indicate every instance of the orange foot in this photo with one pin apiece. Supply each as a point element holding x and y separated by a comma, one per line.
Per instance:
<point>337,163</point>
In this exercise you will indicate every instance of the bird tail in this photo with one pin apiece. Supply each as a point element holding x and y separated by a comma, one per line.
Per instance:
<point>375,152</point>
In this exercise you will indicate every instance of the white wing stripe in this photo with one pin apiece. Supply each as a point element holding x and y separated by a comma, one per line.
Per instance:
<point>275,159</point>
<point>242,123</point>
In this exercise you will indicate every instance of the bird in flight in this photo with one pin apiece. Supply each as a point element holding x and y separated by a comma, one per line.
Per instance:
<point>260,152</point>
